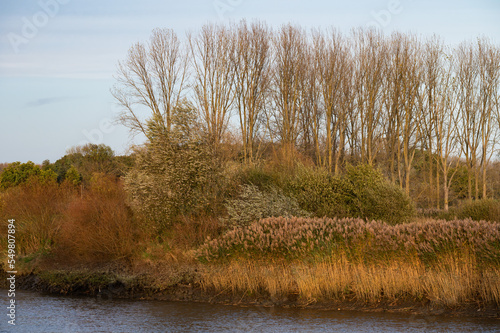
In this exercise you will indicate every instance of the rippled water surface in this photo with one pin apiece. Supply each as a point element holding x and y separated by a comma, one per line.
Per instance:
<point>43,313</point>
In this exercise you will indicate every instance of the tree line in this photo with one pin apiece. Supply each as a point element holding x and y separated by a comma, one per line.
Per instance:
<point>340,98</point>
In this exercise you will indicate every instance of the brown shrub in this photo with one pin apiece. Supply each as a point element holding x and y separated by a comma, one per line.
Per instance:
<point>99,226</point>
<point>37,207</point>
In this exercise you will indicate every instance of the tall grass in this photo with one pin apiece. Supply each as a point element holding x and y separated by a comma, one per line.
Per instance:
<point>299,238</point>
<point>452,281</point>
<point>447,263</point>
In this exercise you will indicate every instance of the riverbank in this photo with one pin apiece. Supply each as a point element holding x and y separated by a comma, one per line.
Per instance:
<point>191,282</point>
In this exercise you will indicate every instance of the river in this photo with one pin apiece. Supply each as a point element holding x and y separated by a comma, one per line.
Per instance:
<point>37,312</point>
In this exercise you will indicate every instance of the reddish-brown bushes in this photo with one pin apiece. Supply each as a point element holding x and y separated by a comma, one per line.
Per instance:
<point>99,226</point>
<point>37,207</point>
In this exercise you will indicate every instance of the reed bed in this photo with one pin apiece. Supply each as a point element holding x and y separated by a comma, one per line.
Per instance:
<point>452,281</point>
<point>322,238</point>
<point>447,263</point>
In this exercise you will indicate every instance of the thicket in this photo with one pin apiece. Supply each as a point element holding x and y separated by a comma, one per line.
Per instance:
<point>62,221</point>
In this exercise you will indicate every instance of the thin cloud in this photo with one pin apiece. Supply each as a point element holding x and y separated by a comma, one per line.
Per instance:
<point>45,101</point>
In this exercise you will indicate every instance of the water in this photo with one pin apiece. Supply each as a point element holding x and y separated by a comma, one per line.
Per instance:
<point>43,313</point>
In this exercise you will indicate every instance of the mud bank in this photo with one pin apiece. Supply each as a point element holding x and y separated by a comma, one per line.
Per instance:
<point>184,285</point>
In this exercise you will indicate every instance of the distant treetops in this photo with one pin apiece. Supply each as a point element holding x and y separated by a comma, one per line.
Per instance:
<point>77,166</point>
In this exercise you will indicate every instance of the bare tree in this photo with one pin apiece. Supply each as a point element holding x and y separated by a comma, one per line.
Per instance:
<point>335,78</point>
<point>150,83</point>
<point>288,76</point>
<point>370,56</point>
<point>489,80</point>
<point>212,55</point>
<point>432,68</point>
<point>470,124</point>
<point>251,80</point>
<point>445,119</point>
<point>311,113</point>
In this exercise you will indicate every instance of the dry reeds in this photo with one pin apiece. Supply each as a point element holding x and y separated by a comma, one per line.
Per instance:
<point>296,238</point>
<point>450,282</point>
<point>445,262</point>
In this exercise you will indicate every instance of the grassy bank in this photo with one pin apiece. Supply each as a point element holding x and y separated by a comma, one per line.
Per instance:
<point>445,263</point>
<point>331,263</point>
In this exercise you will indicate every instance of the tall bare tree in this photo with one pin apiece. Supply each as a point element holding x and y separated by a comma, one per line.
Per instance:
<point>332,61</point>
<point>489,81</point>
<point>445,118</point>
<point>470,124</point>
<point>252,64</point>
<point>370,56</point>
<point>432,68</point>
<point>288,76</point>
<point>150,82</point>
<point>212,54</point>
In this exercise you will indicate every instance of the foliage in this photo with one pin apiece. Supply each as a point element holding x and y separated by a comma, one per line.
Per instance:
<point>376,198</point>
<point>89,159</point>
<point>18,173</point>
<point>73,177</point>
<point>37,207</point>
<point>321,193</point>
<point>484,209</point>
<point>362,192</point>
<point>175,174</point>
<point>254,204</point>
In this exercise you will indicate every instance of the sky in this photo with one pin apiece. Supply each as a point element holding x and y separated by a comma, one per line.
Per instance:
<point>58,57</point>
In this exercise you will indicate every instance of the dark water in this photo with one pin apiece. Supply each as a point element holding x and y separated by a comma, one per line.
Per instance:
<point>42,313</point>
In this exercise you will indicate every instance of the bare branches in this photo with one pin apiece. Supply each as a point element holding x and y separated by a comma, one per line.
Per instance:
<point>150,82</point>
<point>212,53</point>
<point>252,64</point>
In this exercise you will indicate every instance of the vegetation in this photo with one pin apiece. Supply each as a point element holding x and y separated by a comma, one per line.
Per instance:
<point>314,192</point>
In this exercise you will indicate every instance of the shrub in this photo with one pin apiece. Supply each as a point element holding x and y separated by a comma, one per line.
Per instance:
<point>376,198</point>
<point>362,192</point>
<point>484,209</point>
<point>254,204</point>
<point>170,180</point>
<point>176,174</point>
<point>99,226</point>
<point>320,193</point>
<point>37,207</point>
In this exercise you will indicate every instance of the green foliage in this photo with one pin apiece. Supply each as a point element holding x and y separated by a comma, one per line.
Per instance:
<point>18,173</point>
<point>376,198</point>
<point>459,186</point>
<point>256,176</point>
<point>73,177</point>
<point>254,204</point>
<point>90,159</point>
<point>319,192</point>
<point>477,210</point>
<point>362,192</point>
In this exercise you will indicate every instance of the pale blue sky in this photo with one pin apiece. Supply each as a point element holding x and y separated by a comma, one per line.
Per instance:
<point>57,57</point>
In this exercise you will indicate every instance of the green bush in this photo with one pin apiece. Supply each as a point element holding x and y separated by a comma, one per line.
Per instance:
<point>362,192</point>
<point>320,193</point>
<point>254,204</point>
<point>484,209</point>
<point>376,198</point>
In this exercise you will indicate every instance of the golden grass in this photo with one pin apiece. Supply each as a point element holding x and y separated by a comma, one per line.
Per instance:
<point>452,280</point>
